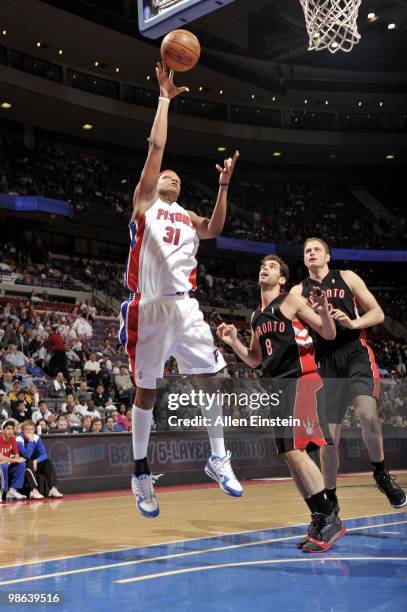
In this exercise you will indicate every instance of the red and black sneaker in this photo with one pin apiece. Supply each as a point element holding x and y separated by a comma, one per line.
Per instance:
<point>323,532</point>
<point>386,483</point>
<point>301,543</point>
<point>335,510</point>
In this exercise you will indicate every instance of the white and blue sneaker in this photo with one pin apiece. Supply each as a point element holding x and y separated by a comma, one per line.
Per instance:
<point>143,490</point>
<point>220,469</point>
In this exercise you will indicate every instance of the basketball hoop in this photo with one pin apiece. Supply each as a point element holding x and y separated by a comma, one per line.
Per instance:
<point>332,24</point>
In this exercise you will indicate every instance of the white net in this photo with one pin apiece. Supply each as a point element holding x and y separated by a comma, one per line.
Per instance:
<point>332,24</point>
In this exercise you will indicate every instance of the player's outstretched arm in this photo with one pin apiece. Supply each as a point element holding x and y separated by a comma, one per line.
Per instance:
<point>211,228</point>
<point>318,317</point>
<point>373,314</point>
<point>146,190</point>
<point>250,355</point>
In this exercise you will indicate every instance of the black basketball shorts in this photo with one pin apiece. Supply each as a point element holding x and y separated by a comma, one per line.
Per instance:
<point>348,372</point>
<point>302,402</point>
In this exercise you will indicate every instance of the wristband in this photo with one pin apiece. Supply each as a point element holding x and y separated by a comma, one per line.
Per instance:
<point>223,184</point>
<point>166,99</point>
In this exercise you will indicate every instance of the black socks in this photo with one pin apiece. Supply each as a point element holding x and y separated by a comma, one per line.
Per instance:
<point>331,494</point>
<point>141,467</point>
<point>378,466</point>
<point>311,504</point>
<point>322,503</point>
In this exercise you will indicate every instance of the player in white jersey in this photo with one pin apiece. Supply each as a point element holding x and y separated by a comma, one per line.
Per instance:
<point>160,319</point>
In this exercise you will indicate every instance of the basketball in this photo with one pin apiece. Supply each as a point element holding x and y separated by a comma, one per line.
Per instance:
<point>180,50</point>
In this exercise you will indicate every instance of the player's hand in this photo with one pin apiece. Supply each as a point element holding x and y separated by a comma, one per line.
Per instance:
<point>227,333</point>
<point>228,167</point>
<point>343,319</point>
<point>167,87</point>
<point>318,301</point>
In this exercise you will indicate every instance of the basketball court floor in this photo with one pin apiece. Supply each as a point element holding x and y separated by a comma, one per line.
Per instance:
<point>206,551</point>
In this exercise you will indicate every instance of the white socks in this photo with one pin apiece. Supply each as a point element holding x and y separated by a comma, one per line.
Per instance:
<point>141,427</point>
<point>215,432</point>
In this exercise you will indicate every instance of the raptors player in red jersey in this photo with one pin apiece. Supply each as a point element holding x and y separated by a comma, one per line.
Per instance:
<point>347,364</point>
<point>160,319</point>
<point>281,343</point>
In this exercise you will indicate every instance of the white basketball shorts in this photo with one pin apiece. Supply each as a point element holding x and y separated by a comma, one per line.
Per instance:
<point>153,329</point>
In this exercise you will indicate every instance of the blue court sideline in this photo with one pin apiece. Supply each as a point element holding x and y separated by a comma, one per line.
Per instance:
<point>259,571</point>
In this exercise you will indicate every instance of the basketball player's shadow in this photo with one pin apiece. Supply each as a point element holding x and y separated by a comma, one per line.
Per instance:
<point>226,526</point>
<point>215,528</point>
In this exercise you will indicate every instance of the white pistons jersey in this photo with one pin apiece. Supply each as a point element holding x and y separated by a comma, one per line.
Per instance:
<point>163,245</point>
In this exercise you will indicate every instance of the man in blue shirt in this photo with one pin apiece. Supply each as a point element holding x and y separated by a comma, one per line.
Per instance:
<point>34,370</point>
<point>111,426</point>
<point>33,450</point>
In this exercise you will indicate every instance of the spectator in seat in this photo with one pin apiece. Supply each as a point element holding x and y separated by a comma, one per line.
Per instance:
<point>21,412</point>
<point>70,386</point>
<point>86,423</point>
<point>91,370</point>
<point>34,346</point>
<point>56,345</point>
<point>74,418</point>
<point>42,423</point>
<point>33,450</point>
<point>14,357</point>
<point>22,344</point>
<point>5,407</point>
<point>100,397</point>
<point>62,424</point>
<point>121,418</point>
<point>52,423</point>
<point>123,385</point>
<point>108,349</point>
<point>32,397</point>
<point>57,387</point>
<point>128,426</point>
<point>109,365</point>
<point>96,426</point>
<point>116,368</point>
<point>89,410</point>
<point>73,359</point>
<point>8,382</point>
<point>104,377</point>
<point>26,379</point>
<point>71,411</point>
<point>34,370</point>
<point>21,397</point>
<point>41,413</point>
<point>11,464</point>
<point>69,403</point>
<point>81,404</point>
<point>82,392</point>
<point>111,427</point>
<point>16,388</point>
<point>92,410</point>
<point>115,416</point>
